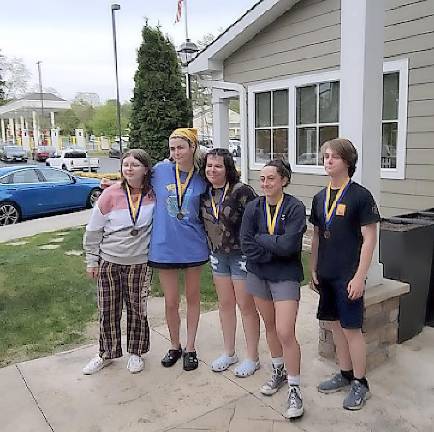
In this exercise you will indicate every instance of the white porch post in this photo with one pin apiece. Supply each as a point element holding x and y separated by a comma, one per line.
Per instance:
<point>12,129</point>
<point>35,130</point>
<point>53,124</point>
<point>2,121</point>
<point>220,120</point>
<point>361,90</point>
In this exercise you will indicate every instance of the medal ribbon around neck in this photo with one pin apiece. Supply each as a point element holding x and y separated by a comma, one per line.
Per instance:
<point>330,214</point>
<point>134,207</point>
<point>182,187</point>
<point>216,209</point>
<point>271,222</point>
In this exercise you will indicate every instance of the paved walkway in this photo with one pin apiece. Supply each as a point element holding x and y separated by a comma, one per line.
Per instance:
<point>46,224</point>
<point>50,394</point>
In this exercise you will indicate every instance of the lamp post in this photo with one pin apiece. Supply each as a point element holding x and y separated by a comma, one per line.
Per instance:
<point>186,52</point>
<point>114,8</point>
<point>41,125</point>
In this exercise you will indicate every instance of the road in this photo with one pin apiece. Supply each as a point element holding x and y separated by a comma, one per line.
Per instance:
<point>107,165</point>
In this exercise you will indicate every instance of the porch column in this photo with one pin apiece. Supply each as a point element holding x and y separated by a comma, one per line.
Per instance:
<point>12,129</point>
<point>35,130</point>
<point>361,90</point>
<point>2,122</point>
<point>220,119</point>
<point>53,124</point>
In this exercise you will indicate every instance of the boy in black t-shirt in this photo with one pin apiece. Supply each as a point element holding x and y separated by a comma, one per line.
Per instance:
<point>345,219</point>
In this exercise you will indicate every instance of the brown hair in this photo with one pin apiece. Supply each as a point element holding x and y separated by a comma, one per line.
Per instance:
<point>145,160</point>
<point>345,149</point>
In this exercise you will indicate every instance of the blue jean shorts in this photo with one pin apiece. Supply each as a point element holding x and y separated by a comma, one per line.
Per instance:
<point>231,265</point>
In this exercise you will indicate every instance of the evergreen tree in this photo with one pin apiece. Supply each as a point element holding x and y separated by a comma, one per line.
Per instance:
<point>159,104</point>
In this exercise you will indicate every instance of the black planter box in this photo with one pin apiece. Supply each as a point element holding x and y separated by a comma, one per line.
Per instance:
<point>406,251</point>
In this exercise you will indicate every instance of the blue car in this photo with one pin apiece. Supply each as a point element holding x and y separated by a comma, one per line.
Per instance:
<point>29,191</point>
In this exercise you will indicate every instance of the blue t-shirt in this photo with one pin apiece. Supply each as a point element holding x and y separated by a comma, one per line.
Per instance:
<point>173,240</point>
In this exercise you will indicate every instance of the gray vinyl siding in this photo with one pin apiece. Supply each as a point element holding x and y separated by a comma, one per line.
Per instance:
<point>306,39</point>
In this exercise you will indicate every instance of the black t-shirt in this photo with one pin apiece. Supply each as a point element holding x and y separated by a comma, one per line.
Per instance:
<point>339,255</point>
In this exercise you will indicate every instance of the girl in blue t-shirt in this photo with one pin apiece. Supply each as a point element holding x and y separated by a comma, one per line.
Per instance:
<point>178,240</point>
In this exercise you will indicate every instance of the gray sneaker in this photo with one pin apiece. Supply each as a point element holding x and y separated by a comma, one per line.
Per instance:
<point>357,396</point>
<point>277,380</point>
<point>334,384</point>
<point>295,403</point>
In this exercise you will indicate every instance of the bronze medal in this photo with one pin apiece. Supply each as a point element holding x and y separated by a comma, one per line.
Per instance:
<point>180,216</point>
<point>326,234</point>
<point>134,232</point>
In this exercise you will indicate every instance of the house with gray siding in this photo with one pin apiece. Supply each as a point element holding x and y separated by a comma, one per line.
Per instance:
<point>282,60</point>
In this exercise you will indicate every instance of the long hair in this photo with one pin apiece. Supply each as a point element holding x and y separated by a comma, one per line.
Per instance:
<point>283,168</point>
<point>345,149</point>
<point>232,174</point>
<point>145,160</point>
<point>197,154</point>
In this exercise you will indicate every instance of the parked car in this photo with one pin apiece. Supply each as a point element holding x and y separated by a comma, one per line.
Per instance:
<point>73,160</point>
<point>235,148</point>
<point>42,153</point>
<point>115,151</point>
<point>29,191</point>
<point>13,153</point>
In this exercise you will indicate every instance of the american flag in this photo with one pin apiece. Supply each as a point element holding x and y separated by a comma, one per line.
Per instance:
<point>179,11</point>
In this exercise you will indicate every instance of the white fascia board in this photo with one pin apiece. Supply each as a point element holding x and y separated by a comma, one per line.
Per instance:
<point>261,15</point>
<point>25,105</point>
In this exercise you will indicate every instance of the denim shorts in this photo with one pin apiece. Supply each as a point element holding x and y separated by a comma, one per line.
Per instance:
<point>231,265</point>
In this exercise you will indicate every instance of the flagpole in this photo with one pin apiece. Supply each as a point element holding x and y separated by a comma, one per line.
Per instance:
<point>185,20</point>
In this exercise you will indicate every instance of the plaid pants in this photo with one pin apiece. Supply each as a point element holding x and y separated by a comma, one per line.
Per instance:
<point>116,284</point>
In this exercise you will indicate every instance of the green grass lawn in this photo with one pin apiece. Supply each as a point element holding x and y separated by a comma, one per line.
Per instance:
<point>46,299</point>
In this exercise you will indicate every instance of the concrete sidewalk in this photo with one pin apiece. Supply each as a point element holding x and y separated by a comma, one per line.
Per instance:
<point>50,394</point>
<point>45,224</point>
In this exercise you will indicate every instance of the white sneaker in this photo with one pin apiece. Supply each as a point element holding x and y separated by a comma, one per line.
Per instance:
<point>135,364</point>
<point>95,365</point>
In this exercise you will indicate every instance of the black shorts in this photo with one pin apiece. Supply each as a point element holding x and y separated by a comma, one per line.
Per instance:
<point>169,266</point>
<point>334,304</point>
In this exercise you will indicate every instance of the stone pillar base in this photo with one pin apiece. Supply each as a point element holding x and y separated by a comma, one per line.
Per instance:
<point>380,326</point>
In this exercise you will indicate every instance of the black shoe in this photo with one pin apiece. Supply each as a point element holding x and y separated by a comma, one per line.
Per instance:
<point>190,361</point>
<point>172,356</point>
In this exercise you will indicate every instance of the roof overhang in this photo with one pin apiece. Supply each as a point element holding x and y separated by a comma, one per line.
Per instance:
<point>23,106</point>
<point>235,36</point>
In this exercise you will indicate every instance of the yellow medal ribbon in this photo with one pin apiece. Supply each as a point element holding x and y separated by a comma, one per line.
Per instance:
<point>328,212</point>
<point>215,209</point>
<point>181,187</point>
<point>134,206</point>
<point>271,222</point>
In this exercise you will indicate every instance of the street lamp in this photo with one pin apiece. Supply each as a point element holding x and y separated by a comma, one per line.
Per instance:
<point>41,95</point>
<point>186,52</point>
<point>114,8</point>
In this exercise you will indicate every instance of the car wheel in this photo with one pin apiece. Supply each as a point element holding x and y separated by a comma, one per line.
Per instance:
<point>93,197</point>
<point>64,168</point>
<point>47,163</point>
<point>9,213</point>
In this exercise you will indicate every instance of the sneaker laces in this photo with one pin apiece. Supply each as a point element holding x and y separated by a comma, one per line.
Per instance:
<point>356,388</point>
<point>276,373</point>
<point>293,395</point>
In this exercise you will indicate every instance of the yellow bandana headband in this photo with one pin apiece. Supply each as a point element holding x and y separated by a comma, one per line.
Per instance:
<point>188,133</point>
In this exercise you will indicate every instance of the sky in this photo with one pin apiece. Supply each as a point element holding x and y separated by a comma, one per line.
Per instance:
<point>73,38</point>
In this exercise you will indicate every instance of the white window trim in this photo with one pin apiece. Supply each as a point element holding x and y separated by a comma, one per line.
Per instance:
<point>291,83</point>
<point>400,66</point>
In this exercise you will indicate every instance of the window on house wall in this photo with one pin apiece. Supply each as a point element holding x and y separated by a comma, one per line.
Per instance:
<point>317,120</point>
<point>271,125</point>
<point>390,120</point>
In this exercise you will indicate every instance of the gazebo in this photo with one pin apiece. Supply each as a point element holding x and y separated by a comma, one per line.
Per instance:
<point>23,120</point>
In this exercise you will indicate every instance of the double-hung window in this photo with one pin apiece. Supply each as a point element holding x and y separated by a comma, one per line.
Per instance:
<point>317,120</point>
<point>271,125</point>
